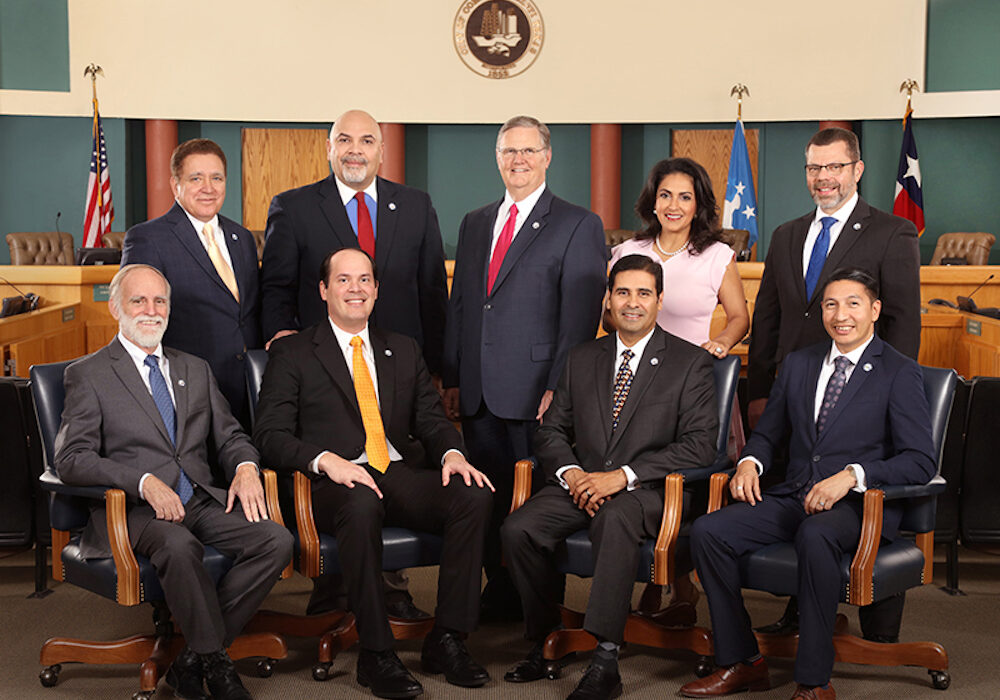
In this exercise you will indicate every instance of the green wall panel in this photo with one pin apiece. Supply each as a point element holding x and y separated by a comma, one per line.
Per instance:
<point>962,49</point>
<point>34,45</point>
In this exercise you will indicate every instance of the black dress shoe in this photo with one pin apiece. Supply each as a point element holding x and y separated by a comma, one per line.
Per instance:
<point>788,623</point>
<point>405,609</point>
<point>445,652</point>
<point>221,677</point>
<point>185,676</point>
<point>385,674</point>
<point>535,666</point>
<point>598,683</point>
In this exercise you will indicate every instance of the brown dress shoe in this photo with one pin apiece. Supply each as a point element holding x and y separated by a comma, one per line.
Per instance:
<point>818,693</point>
<point>732,679</point>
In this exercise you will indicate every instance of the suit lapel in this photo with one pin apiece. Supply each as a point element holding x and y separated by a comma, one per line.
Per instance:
<point>336,215</point>
<point>179,383</point>
<point>799,233</point>
<point>385,370</point>
<point>385,231</point>
<point>808,393</point>
<point>239,261</point>
<point>190,239</point>
<point>483,257</point>
<point>649,364</point>
<point>332,358</point>
<point>533,225</point>
<point>125,369</point>
<point>853,230</point>
<point>870,359</point>
<point>604,367</point>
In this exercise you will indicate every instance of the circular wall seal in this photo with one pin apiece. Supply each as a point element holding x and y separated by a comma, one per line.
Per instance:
<point>498,38</point>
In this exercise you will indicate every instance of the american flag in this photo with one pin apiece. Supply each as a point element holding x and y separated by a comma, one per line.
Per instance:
<point>100,210</point>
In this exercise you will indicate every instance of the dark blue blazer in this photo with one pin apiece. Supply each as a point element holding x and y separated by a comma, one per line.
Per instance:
<point>881,422</point>
<point>508,348</point>
<point>305,224</point>
<point>205,318</point>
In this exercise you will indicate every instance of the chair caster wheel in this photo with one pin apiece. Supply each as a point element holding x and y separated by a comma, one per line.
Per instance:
<point>143,695</point>
<point>49,675</point>
<point>940,679</point>
<point>703,668</point>
<point>265,667</point>
<point>321,671</point>
<point>553,671</point>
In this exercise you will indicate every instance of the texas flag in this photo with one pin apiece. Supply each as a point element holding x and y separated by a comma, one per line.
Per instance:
<point>740,209</point>
<point>909,199</point>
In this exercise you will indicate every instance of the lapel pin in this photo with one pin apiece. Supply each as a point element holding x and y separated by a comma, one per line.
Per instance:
<point>654,361</point>
<point>867,367</point>
<point>180,382</point>
<point>535,225</point>
<point>857,227</point>
<point>392,206</point>
<point>234,237</point>
<point>388,352</point>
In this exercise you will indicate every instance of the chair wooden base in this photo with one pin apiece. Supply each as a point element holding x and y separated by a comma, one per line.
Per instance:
<point>153,653</point>
<point>344,635</point>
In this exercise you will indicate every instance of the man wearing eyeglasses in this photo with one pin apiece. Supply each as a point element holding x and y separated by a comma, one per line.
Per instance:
<point>843,231</point>
<point>528,284</point>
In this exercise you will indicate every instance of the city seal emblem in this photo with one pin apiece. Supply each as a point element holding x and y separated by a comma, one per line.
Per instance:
<point>498,38</point>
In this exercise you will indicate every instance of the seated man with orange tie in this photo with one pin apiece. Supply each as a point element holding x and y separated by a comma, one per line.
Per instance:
<point>354,408</point>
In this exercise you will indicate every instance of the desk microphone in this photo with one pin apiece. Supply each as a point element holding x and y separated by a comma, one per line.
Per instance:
<point>966,303</point>
<point>58,214</point>
<point>19,304</point>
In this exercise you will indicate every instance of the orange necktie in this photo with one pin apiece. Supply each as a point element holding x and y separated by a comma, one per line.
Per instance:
<point>375,445</point>
<point>225,272</point>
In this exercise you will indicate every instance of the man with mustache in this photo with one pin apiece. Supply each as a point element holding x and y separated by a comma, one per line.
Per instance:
<point>142,418</point>
<point>396,225</point>
<point>843,231</point>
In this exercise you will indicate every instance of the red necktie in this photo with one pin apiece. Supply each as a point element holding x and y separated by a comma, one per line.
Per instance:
<point>366,237</point>
<point>503,243</point>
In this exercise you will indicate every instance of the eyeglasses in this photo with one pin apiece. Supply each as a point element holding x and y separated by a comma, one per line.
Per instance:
<point>524,152</point>
<point>832,168</point>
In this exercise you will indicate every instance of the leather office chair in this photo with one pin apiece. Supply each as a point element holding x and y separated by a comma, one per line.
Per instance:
<point>258,239</point>
<point>657,557</point>
<point>974,248</point>
<point>40,248</point>
<point>739,240</point>
<point>114,239</point>
<point>614,236</point>
<point>876,570</point>
<point>126,578</point>
<point>316,553</point>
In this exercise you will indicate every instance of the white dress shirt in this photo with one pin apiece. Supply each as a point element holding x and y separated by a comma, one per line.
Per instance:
<point>217,233</point>
<point>841,215</point>
<point>524,208</point>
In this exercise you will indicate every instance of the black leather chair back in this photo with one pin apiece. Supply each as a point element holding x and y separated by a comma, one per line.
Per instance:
<point>256,363</point>
<point>980,492</point>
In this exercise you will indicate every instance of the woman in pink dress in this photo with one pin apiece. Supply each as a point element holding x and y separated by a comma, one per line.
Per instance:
<point>681,231</point>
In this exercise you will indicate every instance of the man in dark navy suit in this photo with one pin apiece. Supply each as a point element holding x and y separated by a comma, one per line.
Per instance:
<point>856,415</point>
<point>211,264</point>
<point>529,277</point>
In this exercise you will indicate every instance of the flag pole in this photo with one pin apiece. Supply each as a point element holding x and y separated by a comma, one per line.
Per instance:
<point>93,70</point>
<point>909,85</point>
<point>739,89</point>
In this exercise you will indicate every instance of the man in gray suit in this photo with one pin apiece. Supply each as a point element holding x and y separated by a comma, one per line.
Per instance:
<point>141,418</point>
<point>630,408</point>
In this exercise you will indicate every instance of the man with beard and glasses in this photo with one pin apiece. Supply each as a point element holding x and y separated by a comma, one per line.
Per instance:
<point>141,418</point>
<point>397,226</point>
<point>843,231</point>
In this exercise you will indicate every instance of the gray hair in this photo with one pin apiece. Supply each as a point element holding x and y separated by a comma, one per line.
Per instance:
<point>115,288</point>
<point>529,123</point>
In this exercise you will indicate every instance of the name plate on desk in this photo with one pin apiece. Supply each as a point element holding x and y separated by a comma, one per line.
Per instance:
<point>68,314</point>
<point>102,292</point>
<point>973,327</point>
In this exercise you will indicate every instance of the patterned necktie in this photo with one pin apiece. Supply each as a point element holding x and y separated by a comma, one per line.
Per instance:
<point>500,250</point>
<point>366,234</point>
<point>164,404</point>
<point>221,266</point>
<point>833,389</point>
<point>375,445</point>
<point>818,255</point>
<point>623,382</point>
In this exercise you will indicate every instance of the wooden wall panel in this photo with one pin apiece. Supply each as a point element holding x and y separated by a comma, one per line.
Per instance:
<point>711,148</point>
<point>275,160</point>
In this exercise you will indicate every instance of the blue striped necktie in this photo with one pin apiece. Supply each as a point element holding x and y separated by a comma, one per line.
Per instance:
<point>817,258</point>
<point>165,405</point>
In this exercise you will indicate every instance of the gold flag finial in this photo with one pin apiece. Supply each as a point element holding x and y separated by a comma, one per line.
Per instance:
<point>92,71</point>
<point>909,85</point>
<point>739,89</point>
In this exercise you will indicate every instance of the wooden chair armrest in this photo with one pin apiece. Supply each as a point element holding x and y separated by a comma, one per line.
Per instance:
<point>670,525</point>
<point>522,483</point>
<point>274,509</point>
<point>861,588</point>
<point>60,538</point>
<point>309,558</point>
<point>718,493</point>
<point>126,567</point>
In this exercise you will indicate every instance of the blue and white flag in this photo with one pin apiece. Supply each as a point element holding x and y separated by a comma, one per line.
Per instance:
<point>740,210</point>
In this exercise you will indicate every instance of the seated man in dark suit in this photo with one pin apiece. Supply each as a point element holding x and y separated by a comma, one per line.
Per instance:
<point>614,430</point>
<point>141,417</point>
<point>354,408</point>
<point>856,416</point>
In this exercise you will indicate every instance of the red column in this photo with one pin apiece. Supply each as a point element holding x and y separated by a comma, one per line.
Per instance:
<point>606,173</point>
<point>161,140</point>
<point>830,123</point>
<point>394,156</point>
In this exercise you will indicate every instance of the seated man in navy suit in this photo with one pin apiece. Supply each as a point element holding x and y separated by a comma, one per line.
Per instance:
<point>856,416</point>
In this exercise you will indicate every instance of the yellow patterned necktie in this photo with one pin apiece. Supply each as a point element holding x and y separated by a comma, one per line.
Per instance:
<point>224,270</point>
<point>376,447</point>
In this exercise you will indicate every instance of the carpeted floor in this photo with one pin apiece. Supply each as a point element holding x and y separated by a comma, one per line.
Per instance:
<point>966,626</point>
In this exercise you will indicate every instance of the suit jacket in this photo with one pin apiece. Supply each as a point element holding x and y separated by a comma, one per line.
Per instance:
<point>308,403</point>
<point>205,318</point>
<point>112,434</point>
<point>508,348</point>
<point>305,224</point>
<point>881,421</point>
<point>669,420</point>
<point>784,320</point>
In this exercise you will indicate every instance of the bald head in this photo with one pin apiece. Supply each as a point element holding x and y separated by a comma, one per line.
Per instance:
<point>355,149</point>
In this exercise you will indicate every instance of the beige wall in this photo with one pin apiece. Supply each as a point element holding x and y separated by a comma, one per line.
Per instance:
<point>621,61</point>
